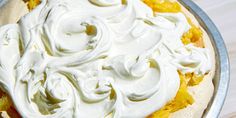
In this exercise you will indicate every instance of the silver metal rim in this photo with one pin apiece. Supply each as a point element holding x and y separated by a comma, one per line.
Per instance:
<point>222,76</point>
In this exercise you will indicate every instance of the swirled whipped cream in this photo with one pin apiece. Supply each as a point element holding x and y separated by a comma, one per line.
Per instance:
<point>95,58</point>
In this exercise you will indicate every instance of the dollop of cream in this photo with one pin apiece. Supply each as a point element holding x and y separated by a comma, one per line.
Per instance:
<point>95,58</point>
<point>191,59</point>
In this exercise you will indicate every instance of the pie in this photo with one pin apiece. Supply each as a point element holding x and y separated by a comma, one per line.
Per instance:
<point>104,58</point>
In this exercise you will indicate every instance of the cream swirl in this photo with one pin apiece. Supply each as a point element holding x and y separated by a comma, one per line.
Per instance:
<point>105,2</point>
<point>95,58</point>
<point>190,59</point>
<point>136,94</point>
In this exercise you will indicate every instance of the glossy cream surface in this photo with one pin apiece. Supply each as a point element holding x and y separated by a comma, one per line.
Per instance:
<point>96,58</point>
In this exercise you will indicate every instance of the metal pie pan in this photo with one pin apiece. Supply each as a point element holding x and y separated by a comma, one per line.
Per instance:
<point>222,77</point>
<point>222,74</point>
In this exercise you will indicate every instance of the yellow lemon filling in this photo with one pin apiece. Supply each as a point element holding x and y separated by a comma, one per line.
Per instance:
<point>32,4</point>
<point>194,36</point>
<point>163,5</point>
<point>181,100</point>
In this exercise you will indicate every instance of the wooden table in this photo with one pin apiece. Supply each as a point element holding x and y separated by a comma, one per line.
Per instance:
<point>223,13</point>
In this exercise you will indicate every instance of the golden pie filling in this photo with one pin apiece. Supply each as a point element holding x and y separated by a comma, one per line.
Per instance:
<point>32,4</point>
<point>194,36</point>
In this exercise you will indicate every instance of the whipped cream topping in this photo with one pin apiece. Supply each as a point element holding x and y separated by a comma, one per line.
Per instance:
<point>95,58</point>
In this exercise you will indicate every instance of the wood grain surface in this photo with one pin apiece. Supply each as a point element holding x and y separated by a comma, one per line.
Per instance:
<point>223,14</point>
